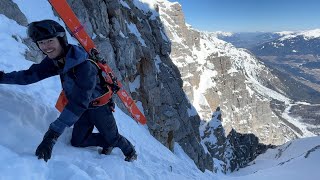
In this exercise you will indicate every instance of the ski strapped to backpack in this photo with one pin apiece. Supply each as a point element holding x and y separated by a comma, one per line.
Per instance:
<point>72,22</point>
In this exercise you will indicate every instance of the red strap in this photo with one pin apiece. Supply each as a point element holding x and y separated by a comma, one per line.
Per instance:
<point>100,101</point>
<point>61,102</point>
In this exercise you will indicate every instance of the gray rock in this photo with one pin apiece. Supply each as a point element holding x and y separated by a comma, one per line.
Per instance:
<point>245,148</point>
<point>12,11</point>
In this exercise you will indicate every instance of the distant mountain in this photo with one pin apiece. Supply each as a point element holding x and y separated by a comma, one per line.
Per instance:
<point>295,56</point>
<point>275,43</point>
<point>248,40</point>
<point>302,43</point>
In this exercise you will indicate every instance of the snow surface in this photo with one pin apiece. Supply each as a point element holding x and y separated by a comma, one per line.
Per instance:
<point>27,111</point>
<point>294,160</point>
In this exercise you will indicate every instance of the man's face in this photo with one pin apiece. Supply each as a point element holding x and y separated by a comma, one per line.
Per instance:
<point>51,47</point>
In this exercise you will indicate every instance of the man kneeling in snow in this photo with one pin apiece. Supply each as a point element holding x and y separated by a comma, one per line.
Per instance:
<point>81,85</point>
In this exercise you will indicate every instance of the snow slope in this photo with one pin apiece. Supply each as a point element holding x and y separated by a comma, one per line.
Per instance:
<point>294,160</point>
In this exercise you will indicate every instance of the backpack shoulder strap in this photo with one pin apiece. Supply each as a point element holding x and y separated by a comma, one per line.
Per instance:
<point>94,63</point>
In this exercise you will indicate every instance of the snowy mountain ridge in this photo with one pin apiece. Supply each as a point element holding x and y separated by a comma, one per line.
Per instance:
<point>221,33</point>
<point>307,34</point>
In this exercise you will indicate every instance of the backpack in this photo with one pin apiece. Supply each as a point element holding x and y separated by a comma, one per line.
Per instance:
<point>108,81</point>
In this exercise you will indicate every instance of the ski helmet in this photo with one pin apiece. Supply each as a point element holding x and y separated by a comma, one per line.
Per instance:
<point>45,29</point>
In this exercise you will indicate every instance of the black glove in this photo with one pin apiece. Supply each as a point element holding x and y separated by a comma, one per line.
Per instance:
<point>44,149</point>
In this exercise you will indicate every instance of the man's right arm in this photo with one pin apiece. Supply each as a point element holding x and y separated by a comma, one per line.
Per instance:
<point>35,73</point>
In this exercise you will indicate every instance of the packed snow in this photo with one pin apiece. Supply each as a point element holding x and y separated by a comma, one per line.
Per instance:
<point>27,111</point>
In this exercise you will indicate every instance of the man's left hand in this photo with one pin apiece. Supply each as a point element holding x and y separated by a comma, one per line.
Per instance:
<point>44,149</point>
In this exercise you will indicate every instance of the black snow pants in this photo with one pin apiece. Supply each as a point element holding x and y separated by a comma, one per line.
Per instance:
<point>108,136</point>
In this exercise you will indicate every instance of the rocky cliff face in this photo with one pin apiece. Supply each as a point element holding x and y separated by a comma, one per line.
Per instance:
<point>229,152</point>
<point>215,142</point>
<point>217,74</point>
<point>131,37</point>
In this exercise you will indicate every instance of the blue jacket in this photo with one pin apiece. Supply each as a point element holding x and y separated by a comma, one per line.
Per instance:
<point>79,78</point>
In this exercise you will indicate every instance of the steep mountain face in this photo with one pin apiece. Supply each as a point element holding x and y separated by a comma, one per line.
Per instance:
<point>132,39</point>
<point>215,73</point>
<point>243,148</point>
<point>233,151</point>
<point>215,142</point>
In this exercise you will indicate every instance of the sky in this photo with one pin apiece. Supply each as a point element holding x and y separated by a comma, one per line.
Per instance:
<point>251,15</point>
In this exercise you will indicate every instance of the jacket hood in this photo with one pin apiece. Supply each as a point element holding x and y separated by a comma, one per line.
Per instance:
<point>75,56</point>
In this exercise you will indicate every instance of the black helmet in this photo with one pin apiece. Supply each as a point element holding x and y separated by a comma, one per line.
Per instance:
<point>45,29</point>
